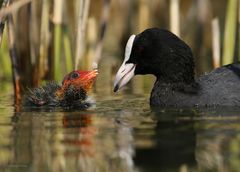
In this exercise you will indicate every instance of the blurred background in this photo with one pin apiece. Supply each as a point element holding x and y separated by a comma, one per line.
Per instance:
<point>45,39</point>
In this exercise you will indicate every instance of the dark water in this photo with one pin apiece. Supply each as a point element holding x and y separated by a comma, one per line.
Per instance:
<point>121,135</point>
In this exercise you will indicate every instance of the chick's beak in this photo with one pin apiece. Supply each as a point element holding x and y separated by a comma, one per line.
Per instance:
<point>91,75</point>
<point>88,79</point>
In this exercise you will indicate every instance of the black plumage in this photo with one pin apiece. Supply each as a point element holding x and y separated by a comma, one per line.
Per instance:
<point>72,93</point>
<point>45,96</point>
<point>161,53</point>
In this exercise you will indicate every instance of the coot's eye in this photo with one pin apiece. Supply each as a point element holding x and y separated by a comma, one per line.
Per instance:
<point>140,49</point>
<point>75,75</point>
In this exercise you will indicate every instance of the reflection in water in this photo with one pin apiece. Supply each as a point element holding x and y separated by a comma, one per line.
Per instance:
<point>215,150</point>
<point>175,142</point>
<point>113,138</point>
<point>71,142</point>
<point>93,150</point>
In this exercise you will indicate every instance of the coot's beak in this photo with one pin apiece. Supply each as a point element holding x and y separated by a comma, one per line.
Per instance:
<point>126,71</point>
<point>124,74</point>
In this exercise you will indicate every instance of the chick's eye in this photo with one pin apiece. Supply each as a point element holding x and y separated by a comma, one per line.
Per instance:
<point>75,75</point>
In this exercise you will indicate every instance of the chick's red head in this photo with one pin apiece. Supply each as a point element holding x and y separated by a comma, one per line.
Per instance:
<point>80,79</point>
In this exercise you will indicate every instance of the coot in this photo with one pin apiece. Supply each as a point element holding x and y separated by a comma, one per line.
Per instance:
<point>71,94</point>
<point>161,53</point>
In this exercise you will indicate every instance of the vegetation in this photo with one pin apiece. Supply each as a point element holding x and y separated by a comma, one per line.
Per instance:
<point>44,39</point>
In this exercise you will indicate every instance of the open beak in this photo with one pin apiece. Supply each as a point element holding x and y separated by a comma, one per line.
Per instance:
<point>91,74</point>
<point>124,74</point>
<point>126,71</point>
<point>88,80</point>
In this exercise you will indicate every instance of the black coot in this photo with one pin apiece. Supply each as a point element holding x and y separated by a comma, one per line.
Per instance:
<point>161,53</point>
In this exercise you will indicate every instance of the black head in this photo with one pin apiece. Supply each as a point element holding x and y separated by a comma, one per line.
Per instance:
<point>158,52</point>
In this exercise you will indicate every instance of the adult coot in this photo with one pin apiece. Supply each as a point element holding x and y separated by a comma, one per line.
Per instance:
<point>71,94</point>
<point>161,53</point>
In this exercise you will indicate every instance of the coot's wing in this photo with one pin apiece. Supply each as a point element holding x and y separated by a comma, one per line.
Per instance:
<point>221,86</point>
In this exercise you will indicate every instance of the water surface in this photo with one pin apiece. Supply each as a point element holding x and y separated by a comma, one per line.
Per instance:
<point>122,134</point>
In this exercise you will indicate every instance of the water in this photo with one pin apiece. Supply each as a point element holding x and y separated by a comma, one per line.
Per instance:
<point>121,135</point>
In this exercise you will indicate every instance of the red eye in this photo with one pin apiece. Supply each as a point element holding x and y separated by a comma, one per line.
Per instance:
<point>140,49</point>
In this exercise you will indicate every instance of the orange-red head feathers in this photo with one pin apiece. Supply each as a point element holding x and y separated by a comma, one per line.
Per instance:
<point>78,80</point>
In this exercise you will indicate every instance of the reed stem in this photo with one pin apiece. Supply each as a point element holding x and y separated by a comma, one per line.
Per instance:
<point>103,25</point>
<point>5,63</point>
<point>3,20</point>
<point>44,39</point>
<point>58,6</point>
<point>238,31</point>
<point>13,56</point>
<point>230,32</point>
<point>216,42</point>
<point>81,30</point>
<point>13,7</point>
<point>67,50</point>
<point>174,17</point>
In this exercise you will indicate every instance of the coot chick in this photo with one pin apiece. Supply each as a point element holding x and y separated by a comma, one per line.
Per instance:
<point>161,53</point>
<point>71,94</point>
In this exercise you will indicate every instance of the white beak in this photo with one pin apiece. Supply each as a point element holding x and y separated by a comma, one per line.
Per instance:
<point>126,71</point>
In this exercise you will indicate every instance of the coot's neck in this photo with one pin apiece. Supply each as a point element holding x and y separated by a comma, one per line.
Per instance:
<point>176,73</point>
<point>186,86</point>
<point>175,80</point>
<point>178,78</point>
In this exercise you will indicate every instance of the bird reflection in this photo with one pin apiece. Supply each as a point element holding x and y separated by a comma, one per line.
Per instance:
<point>77,121</point>
<point>88,148</point>
<point>120,141</point>
<point>79,141</point>
<point>175,142</point>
